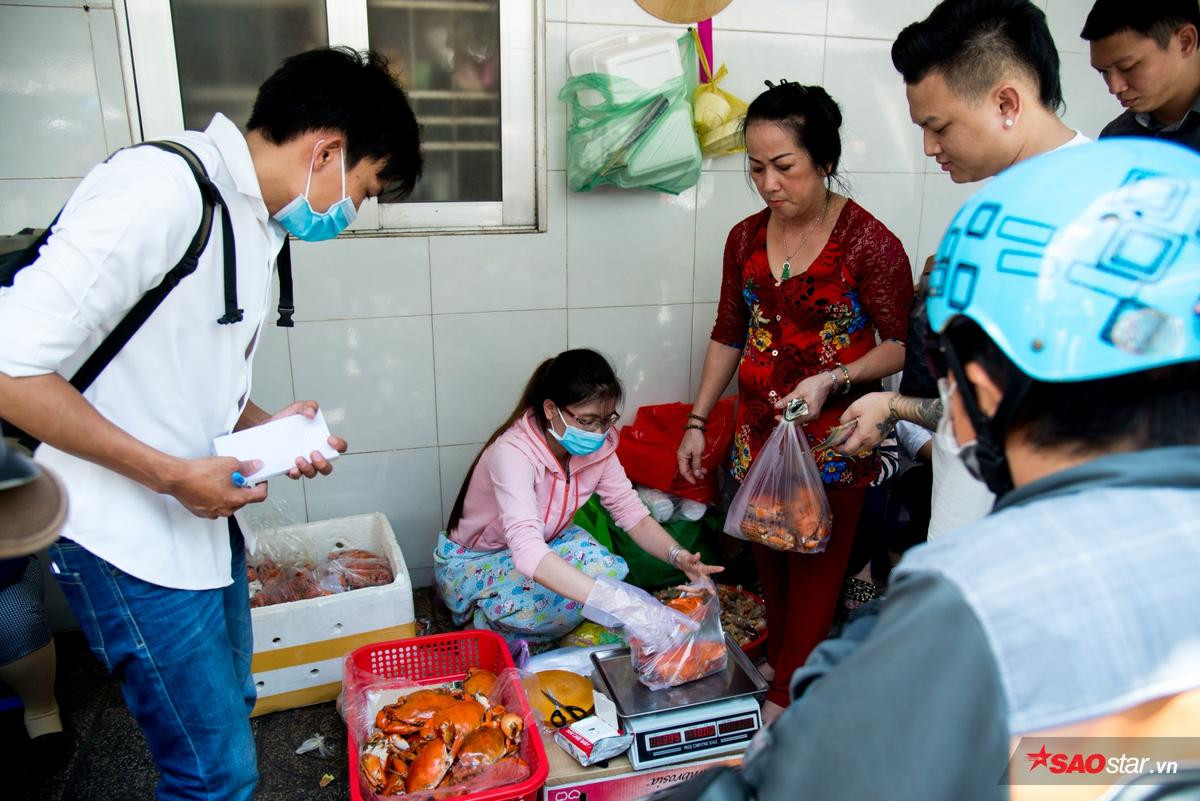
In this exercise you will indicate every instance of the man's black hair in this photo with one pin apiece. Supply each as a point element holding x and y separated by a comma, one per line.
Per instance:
<point>1151,409</point>
<point>341,89</point>
<point>1155,19</point>
<point>972,43</point>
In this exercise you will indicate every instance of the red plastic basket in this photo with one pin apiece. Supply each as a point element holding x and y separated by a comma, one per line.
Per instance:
<point>438,658</point>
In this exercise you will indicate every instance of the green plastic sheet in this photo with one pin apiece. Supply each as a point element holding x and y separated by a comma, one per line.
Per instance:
<point>645,570</point>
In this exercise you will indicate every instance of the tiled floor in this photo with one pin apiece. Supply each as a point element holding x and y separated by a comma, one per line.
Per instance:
<point>111,760</point>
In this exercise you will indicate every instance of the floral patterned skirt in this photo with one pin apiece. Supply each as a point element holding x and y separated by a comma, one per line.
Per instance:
<point>485,587</point>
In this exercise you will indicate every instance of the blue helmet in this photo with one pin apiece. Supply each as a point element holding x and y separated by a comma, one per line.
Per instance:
<point>1082,263</point>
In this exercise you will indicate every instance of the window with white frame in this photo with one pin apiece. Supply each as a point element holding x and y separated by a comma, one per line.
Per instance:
<point>472,69</point>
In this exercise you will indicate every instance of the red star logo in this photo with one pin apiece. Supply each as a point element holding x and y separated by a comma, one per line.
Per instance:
<point>1038,759</point>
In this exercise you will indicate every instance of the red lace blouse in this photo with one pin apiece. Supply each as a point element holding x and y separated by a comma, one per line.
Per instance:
<point>860,284</point>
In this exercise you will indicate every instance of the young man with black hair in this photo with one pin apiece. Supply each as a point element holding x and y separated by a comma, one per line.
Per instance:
<point>1146,52</point>
<point>982,78</point>
<point>151,567</point>
<point>1071,376</point>
<point>983,85</point>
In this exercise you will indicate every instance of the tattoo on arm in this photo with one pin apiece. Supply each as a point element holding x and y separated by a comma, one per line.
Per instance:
<point>885,426</point>
<point>925,412</point>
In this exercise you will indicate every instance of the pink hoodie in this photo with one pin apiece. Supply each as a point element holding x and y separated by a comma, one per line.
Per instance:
<point>520,497</point>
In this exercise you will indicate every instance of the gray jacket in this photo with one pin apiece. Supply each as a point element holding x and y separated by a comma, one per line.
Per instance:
<point>1039,615</point>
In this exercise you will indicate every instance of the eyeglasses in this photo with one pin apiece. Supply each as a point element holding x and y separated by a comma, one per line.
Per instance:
<point>588,423</point>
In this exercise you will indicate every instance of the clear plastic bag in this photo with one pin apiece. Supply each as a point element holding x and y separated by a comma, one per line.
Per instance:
<point>283,566</point>
<point>491,754</point>
<point>782,503</point>
<point>353,569</point>
<point>717,114</point>
<point>631,136</point>
<point>691,655</point>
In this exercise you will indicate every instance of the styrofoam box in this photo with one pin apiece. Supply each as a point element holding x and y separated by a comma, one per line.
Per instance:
<point>299,646</point>
<point>649,60</point>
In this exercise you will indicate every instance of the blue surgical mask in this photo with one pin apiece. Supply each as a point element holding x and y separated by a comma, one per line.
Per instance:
<point>577,441</point>
<point>302,222</point>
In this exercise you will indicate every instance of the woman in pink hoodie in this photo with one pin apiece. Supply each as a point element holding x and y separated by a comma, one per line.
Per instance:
<point>511,559</point>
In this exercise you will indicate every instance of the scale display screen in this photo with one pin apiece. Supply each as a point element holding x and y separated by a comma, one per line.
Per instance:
<point>699,736</point>
<point>664,740</point>
<point>721,727</point>
<point>731,726</point>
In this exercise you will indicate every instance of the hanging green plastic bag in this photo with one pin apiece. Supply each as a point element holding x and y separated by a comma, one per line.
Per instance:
<point>645,570</point>
<point>718,114</point>
<point>627,135</point>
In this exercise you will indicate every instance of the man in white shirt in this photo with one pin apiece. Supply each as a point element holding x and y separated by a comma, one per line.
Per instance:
<point>151,567</point>
<point>982,79</point>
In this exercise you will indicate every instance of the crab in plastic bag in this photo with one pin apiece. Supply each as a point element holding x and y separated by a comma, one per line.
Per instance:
<point>690,656</point>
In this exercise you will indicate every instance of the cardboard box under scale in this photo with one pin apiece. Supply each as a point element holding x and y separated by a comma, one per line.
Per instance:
<point>616,781</point>
<point>299,646</point>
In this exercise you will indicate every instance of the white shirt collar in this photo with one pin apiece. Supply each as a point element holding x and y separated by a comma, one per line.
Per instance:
<point>236,155</point>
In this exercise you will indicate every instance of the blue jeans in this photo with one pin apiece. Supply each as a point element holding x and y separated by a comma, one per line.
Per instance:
<point>182,658</point>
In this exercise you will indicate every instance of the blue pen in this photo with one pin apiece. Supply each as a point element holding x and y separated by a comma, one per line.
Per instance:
<point>239,480</point>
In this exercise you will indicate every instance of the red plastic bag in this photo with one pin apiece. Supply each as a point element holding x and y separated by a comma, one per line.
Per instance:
<point>647,448</point>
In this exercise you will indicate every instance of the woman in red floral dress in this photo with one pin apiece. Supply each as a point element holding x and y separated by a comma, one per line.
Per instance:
<point>814,304</point>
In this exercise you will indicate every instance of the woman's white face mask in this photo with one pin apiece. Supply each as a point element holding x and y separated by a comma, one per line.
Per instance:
<point>947,440</point>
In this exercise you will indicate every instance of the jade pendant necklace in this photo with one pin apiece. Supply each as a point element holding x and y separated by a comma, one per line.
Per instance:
<point>787,262</point>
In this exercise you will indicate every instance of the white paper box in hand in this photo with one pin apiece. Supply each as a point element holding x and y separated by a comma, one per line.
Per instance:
<point>277,444</point>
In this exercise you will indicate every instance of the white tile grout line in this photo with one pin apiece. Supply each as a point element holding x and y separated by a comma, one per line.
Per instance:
<point>433,363</point>
<point>287,336</point>
<point>695,259</point>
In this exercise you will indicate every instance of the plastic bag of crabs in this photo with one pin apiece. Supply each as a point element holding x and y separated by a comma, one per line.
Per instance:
<point>439,740</point>
<point>692,655</point>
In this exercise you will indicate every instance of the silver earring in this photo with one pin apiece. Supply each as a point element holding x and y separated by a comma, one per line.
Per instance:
<point>1008,123</point>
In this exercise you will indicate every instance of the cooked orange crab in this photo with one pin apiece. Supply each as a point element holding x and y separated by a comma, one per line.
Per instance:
<point>410,713</point>
<point>478,684</point>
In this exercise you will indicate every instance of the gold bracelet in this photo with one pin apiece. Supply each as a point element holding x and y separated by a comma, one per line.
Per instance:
<point>846,377</point>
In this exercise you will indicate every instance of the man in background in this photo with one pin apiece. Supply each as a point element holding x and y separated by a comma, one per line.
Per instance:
<point>1146,51</point>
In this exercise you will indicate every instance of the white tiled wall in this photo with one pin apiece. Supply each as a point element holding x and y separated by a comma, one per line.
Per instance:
<point>418,346</point>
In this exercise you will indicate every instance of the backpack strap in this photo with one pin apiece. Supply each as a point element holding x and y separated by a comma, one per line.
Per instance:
<point>141,311</point>
<point>212,198</point>
<point>232,313</point>
<point>283,265</point>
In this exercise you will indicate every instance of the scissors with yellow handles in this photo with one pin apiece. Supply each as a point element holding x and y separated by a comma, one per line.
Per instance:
<point>558,718</point>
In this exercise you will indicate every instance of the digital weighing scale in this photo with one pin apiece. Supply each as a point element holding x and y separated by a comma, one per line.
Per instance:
<point>718,714</point>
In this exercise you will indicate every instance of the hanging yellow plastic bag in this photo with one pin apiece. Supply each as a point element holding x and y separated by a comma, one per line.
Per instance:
<point>717,114</point>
